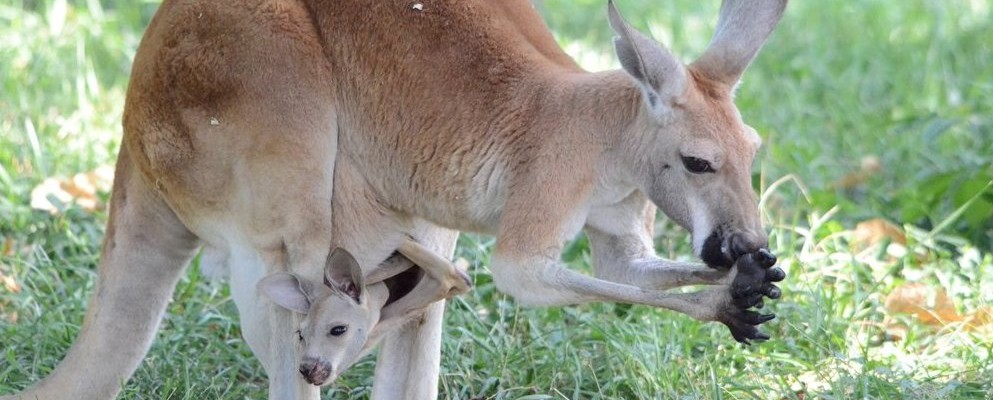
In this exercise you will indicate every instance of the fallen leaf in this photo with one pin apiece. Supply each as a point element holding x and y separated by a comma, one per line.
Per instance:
<point>12,316</point>
<point>83,189</point>
<point>929,305</point>
<point>979,318</point>
<point>875,231</point>
<point>868,167</point>
<point>41,195</point>
<point>10,284</point>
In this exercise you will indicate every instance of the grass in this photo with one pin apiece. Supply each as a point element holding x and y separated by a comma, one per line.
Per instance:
<point>869,111</point>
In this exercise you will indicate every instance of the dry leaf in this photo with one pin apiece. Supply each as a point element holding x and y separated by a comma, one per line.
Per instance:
<point>875,231</point>
<point>82,189</point>
<point>979,318</point>
<point>12,316</point>
<point>9,283</point>
<point>930,305</point>
<point>49,188</point>
<point>870,166</point>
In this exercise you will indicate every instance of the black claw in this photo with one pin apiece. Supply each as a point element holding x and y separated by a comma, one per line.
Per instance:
<point>773,292</point>
<point>775,274</point>
<point>754,318</point>
<point>744,325</point>
<point>746,333</point>
<point>765,258</point>
<point>760,305</point>
<point>742,333</point>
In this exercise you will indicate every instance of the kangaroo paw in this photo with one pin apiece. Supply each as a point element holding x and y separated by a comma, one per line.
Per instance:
<point>744,324</point>
<point>753,281</point>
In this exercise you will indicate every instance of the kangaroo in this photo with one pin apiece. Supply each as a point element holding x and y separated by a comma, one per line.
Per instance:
<point>241,117</point>
<point>347,315</point>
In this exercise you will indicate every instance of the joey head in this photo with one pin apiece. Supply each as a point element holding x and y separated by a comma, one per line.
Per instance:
<point>349,312</point>
<point>339,314</point>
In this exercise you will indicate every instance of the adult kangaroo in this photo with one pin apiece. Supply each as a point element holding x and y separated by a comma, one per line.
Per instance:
<point>242,116</point>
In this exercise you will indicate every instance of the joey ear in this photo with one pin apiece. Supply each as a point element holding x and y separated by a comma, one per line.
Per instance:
<point>661,76</point>
<point>343,274</point>
<point>287,290</point>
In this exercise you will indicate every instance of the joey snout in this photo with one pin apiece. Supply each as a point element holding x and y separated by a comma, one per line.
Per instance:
<point>315,371</point>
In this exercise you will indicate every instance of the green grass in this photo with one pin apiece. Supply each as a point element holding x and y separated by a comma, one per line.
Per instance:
<point>907,86</point>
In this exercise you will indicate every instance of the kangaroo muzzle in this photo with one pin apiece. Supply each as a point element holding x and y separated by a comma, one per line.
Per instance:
<point>720,250</point>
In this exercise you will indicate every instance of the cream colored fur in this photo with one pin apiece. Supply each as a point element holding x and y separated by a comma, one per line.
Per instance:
<point>345,316</point>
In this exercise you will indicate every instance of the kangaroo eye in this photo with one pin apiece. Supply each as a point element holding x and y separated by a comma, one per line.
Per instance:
<point>338,330</point>
<point>697,165</point>
<point>299,335</point>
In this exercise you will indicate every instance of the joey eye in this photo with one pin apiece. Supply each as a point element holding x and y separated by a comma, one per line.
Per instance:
<point>338,330</point>
<point>697,165</point>
<point>299,335</point>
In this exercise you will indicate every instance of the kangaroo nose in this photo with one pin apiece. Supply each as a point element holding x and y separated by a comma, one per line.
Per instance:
<point>743,243</point>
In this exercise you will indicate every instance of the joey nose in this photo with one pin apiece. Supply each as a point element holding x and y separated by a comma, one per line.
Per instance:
<point>315,371</point>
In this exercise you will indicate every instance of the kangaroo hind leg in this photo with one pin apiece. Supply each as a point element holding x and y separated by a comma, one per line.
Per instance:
<point>145,252</point>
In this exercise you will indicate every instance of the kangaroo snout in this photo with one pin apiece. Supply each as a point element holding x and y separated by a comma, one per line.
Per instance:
<point>741,243</point>
<point>720,250</point>
<point>315,371</point>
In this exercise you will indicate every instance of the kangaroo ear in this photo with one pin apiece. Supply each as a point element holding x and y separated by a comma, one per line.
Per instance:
<point>661,76</point>
<point>286,290</point>
<point>343,274</point>
<point>742,28</point>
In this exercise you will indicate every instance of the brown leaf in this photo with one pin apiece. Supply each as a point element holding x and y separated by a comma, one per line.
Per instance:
<point>12,316</point>
<point>9,283</point>
<point>930,305</point>
<point>979,318</point>
<point>868,167</point>
<point>82,189</point>
<point>40,195</point>
<point>875,231</point>
<point>8,247</point>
